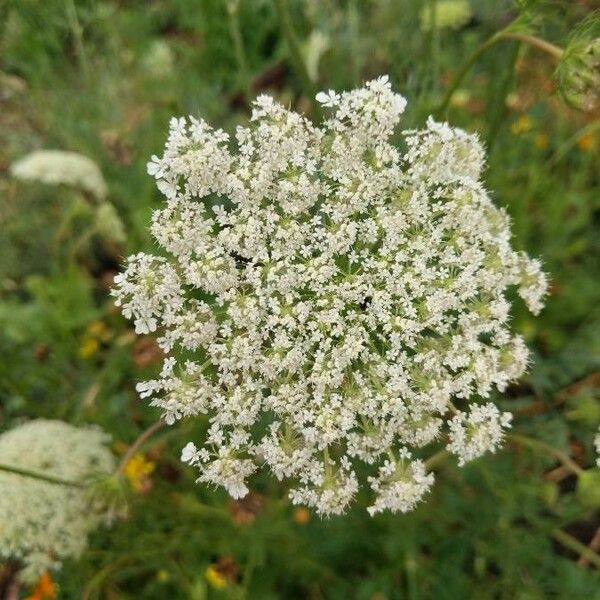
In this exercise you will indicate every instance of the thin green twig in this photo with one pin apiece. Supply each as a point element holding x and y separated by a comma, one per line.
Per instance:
<point>504,34</point>
<point>564,148</point>
<point>95,582</point>
<point>547,449</point>
<point>39,476</point>
<point>77,31</point>
<point>353,19</point>
<point>145,435</point>
<point>574,544</point>
<point>465,68</point>
<point>534,41</point>
<point>497,103</point>
<point>233,9</point>
<point>287,29</point>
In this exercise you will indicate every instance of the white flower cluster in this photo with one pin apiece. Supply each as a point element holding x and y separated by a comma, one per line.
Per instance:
<point>325,296</point>
<point>57,167</point>
<point>42,523</point>
<point>597,447</point>
<point>478,432</point>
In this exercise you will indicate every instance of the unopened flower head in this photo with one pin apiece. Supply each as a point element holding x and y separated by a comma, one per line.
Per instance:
<point>42,523</point>
<point>324,297</point>
<point>578,70</point>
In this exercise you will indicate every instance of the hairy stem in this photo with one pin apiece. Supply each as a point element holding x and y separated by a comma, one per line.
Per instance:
<point>465,68</point>
<point>534,41</point>
<point>39,476</point>
<point>504,34</point>
<point>145,435</point>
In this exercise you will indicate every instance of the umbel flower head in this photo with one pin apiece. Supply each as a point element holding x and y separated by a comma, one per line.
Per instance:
<point>56,167</point>
<point>324,298</point>
<point>42,523</point>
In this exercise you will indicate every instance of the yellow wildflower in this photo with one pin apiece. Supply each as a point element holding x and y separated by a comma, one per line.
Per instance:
<point>586,143</point>
<point>522,125</point>
<point>163,576</point>
<point>215,578</point>
<point>138,471</point>
<point>89,347</point>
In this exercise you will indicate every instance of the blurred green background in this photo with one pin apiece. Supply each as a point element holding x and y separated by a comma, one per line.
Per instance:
<point>102,78</point>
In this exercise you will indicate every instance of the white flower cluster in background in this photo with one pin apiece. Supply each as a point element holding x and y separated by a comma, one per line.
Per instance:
<point>325,297</point>
<point>56,167</point>
<point>42,523</point>
<point>597,446</point>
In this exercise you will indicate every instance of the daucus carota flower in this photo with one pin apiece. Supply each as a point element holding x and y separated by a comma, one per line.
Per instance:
<point>325,297</point>
<point>578,70</point>
<point>478,432</point>
<point>56,167</point>
<point>42,523</point>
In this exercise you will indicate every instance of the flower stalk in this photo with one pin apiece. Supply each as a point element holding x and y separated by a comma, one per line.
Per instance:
<point>504,34</point>
<point>293,44</point>
<point>137,444</point>
<point>39,476</point>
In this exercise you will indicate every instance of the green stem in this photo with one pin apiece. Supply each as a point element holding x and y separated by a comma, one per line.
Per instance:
<point>534,41</point>
<point>95,582</point>
<point>433,49</point>
<point>435,459</point>
<point>137,444</point>
<point>466,67</point>
<point>287,28</point>
<point>77,32</point>
<point>353,18</point>
<point>564,148</point>
<point>80,243</point>
<point>39,476</point>
<point>504,34</point>
<point>497,101</point>
<point>233,9</point>
<point>547,449</point>
<point>574,544</point>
